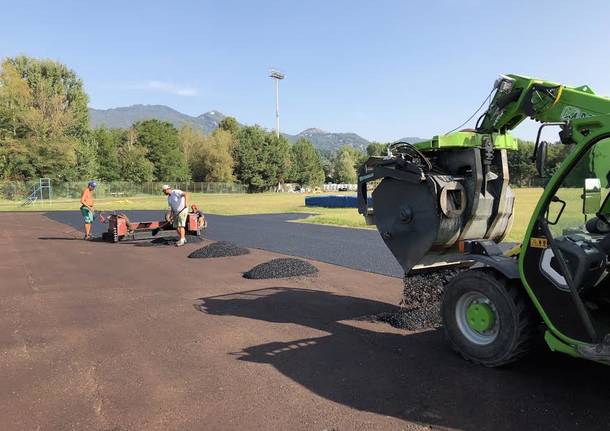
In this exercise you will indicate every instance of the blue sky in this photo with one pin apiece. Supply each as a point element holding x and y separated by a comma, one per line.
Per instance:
<point>383,69</point>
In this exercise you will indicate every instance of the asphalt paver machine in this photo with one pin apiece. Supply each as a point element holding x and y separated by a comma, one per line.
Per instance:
<point>120,228</point>
<point>447,201</point>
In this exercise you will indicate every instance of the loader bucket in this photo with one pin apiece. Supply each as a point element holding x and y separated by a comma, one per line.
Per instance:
<point>423,209</point>
<point>406,215</point>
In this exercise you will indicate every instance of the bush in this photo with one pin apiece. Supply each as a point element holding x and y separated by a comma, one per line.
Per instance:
<point>13,190</point>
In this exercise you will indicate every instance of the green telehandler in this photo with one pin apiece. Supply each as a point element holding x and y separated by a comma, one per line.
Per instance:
<point>447,201</point>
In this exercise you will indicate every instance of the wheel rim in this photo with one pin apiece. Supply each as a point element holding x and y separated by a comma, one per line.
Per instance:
<point>477,318</point>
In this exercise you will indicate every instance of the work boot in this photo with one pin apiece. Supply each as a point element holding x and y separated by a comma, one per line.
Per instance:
<point>181,242</point>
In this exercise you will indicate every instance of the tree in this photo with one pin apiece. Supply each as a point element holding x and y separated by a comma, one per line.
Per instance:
<point>161,141</point>
<point>376,149</point>
<point>306,164</point>
<point>326,159</point>
<point>15,160</point>
<point>358,156</point>
<point>211,158</point>
<point>86,158</point>
<point>262,160</point>
<point>43,119</point>
<point>344,170</point>
<point>189,140</point>
<point>522,169</point>
<point>133,160</point>
<point>229,124</point>
<point>58,100</point>
<point>108,143</point>
<point>15,101</point>
<point>556,154</point>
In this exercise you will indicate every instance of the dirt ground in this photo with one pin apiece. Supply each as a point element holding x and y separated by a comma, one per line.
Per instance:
<point>97,336</point>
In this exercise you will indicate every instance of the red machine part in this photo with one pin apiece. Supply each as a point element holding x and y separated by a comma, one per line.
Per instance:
<point>120,227</point>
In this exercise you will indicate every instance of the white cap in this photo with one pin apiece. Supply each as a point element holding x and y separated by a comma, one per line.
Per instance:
<point>165,187</point>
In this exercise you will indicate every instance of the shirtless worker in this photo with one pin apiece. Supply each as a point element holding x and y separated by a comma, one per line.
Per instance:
<point>177,201</point>
<point>86,207</point>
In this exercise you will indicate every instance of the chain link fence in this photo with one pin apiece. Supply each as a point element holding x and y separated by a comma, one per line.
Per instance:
<point>20,190</point>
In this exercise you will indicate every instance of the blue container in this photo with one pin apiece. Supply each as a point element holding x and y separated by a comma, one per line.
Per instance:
<point>332,201</point>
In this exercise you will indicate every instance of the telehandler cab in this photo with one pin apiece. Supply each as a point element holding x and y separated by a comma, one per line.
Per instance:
<point>447,201</point>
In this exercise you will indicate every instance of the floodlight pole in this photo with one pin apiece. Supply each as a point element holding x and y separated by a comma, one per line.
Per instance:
<point>277,107</point>
<point>276,75</point>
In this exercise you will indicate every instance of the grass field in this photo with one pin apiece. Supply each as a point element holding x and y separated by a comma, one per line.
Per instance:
<point>525,203</point>
<point>224,204</point>
<point>236,204</point>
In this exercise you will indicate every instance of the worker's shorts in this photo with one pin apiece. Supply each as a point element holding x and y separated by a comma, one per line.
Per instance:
<point>87,214</point>
<point>180,219</point>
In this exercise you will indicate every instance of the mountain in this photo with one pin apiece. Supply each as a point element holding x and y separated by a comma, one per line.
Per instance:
<point>124,117</point>
<point>328,141</point>
<point>411,140</point>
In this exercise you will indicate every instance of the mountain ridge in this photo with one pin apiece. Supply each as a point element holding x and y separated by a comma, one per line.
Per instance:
<point>125,116</point>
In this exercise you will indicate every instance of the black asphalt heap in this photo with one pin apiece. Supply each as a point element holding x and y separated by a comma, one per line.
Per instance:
<point>281,268</point>
<point>422,296</point>
<point>219,249</point>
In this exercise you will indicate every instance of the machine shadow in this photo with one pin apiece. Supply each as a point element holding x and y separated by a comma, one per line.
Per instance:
<point>415,376</point>
<point>67,238</point>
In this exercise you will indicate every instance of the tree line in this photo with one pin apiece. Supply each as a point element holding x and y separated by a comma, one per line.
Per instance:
<point>522,168</point>
<point>45,132</point>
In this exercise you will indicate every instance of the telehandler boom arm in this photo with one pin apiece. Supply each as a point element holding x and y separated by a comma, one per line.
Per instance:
<point>518,97</point>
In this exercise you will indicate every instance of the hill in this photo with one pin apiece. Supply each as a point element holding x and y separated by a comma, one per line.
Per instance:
<point>328,141</point>
<point>124,117</point>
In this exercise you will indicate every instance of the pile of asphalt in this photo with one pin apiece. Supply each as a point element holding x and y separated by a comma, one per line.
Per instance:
<point>420,306</point>
<point>284,267</point>
<point>219,249</point>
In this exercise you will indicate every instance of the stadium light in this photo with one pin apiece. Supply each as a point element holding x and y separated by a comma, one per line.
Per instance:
<point>277,76</point>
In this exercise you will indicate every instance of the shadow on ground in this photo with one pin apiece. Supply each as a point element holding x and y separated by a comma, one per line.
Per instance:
<point>415,376</point>
<point>70,238</point>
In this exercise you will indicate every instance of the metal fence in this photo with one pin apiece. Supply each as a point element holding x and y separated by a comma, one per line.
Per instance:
<point>20,190</point>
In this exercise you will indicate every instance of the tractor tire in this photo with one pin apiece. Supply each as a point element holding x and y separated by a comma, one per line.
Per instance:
<point>488,319</point>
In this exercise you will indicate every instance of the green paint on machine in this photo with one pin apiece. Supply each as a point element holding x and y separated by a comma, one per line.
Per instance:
<point>480,317</point>
<point>467,139</point>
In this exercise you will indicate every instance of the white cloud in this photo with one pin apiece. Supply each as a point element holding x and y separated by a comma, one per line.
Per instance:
<point>163,87</point>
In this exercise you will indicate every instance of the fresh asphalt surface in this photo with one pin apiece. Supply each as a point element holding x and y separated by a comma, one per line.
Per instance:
<point>360,249</point>
<point>110,337</point>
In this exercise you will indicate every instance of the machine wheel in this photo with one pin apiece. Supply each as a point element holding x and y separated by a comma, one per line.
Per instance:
<point>115,235</point>
<point>487,319</point>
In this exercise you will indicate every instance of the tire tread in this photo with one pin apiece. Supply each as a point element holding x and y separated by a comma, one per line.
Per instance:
<point>527,326</point>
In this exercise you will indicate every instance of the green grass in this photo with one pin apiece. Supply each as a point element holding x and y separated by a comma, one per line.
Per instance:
<point>525,203</point>
<point>224,204</point>
<point>237,204</point>
<point>228,204</point>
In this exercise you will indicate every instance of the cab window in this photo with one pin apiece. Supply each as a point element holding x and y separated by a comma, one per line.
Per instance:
<point>581,192</point>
